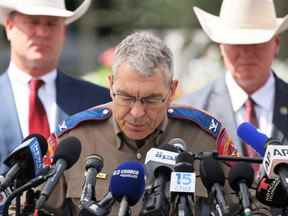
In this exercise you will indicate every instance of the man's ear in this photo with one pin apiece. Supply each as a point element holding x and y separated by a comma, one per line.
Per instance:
<point>277,44</point>
<point>110,82</point>
<point>8,24</point>
<point>173,89</point>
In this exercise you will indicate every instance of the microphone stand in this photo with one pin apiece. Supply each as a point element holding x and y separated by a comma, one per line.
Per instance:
<point>17,192</point>
<point>221,207</point>
<point>124,209</point>
<point>89,208</point>
<point>183,206</point>
<point>245,200</point>
<point>29,205</point>
<point>18,199</point>
<point>101,208</point>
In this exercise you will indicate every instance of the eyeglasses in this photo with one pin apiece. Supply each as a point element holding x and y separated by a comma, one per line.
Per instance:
<point>150,101</point>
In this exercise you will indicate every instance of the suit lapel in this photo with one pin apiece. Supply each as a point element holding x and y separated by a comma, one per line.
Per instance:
<point>280,114</point>
<point>10,131</point>
<point>61,98</point>
<point>221,105</point>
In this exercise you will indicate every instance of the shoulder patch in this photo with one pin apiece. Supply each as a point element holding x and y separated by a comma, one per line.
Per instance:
<point>94,114</point>
<point>202,119</point>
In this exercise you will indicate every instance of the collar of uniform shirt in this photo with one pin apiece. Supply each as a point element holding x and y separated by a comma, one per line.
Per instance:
<point>260,96</point>
<point>120,137</point>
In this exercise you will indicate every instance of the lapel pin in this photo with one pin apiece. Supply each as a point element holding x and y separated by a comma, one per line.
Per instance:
<point>102,175</point>
<point>283,110</point>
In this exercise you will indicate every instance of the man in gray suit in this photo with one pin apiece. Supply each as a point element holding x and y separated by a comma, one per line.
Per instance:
<point>247,32</point>
<point>36,31</point>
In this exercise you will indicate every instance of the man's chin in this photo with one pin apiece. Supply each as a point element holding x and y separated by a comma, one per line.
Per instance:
<point>246,77</point>
<point>38,56</point>
<point>40,61</point>
<point>136,135</point>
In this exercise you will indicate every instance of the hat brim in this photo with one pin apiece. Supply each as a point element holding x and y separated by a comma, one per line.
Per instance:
<point>70,16</point>
<point>218,32</point>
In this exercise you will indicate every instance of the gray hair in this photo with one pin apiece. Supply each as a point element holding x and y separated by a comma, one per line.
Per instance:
<point>145,53</point>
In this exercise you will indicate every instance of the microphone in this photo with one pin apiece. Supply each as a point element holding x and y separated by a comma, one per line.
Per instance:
<point>251,136</point>
<point>101,208</point>
<point>159,164</point>
<point>270,192</point>
<point>94,164</point>
<point>241,178</point>
<point>275,161</point>
<point>182,186</point>
<point>43,175</point>
<point>25,161</point>
<point>127,185</point>
<point>212,176</point>
<point>67,154</point>
<point>178,143</point>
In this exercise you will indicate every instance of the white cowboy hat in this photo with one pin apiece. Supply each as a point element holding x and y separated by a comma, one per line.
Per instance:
<point>242,22</point>
<point>42,7</point>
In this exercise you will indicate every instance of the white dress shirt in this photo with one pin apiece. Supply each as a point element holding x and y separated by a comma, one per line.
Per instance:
<point>47,94</point>
<point>263,97</point>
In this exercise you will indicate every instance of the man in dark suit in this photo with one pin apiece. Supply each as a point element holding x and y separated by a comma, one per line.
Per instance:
<point>248,44</point>
<point>36,32</point>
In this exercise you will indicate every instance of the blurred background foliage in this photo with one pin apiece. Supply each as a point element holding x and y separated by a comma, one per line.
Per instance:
<point>196,58</point>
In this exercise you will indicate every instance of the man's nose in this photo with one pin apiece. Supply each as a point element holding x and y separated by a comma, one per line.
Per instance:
<point>137,109</point>
<point>42,30</point>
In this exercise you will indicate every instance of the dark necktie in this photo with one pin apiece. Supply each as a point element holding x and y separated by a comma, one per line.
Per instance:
<point>250,116</point>
<point>250,112</point>
<point>38,120</point>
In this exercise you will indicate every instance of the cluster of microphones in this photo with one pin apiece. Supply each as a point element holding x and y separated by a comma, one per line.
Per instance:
<point>164,185</point>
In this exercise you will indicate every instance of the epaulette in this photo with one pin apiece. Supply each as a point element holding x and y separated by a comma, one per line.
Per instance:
<point>94,114</point>
<point>208,123</point>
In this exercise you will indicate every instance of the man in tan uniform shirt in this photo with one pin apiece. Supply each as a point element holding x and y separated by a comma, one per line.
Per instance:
<point>139,117</point>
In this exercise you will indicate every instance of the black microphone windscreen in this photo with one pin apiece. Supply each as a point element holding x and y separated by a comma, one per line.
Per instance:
<point>94,161</point>
<point>211,172</point>
<point>183,167</point>
<point>168,147</point>
<point>241,172</point>
<point>69,150</point>
<point>184,162</point>
<point>185,157</point>
<point>164,170</point>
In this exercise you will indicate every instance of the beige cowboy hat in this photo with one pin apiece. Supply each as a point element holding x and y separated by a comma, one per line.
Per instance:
<point>242,22</point>
<point>42,7</point>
